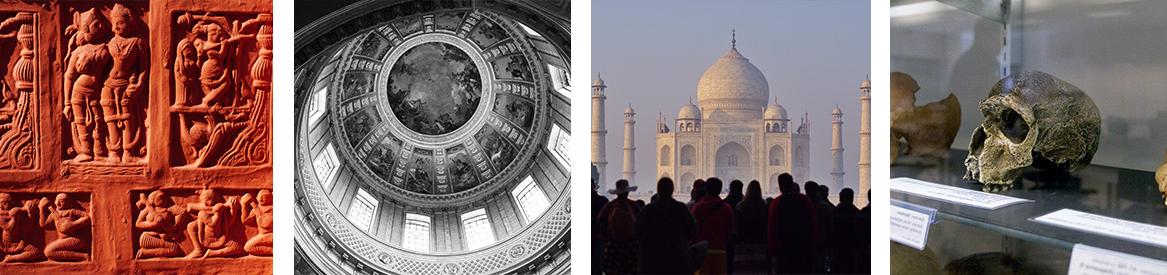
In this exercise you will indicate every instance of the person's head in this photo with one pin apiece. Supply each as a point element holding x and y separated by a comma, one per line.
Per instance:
<point>155,198</point>
<point>754,190</point>
<point>698,190</point>
<point>91,28</point>
<point>621,190</point>
<point>786,184</point>
<point>5,201</point>
<point>713,187</point>
<point>120,18</point>
<point>868,197</point>
<point>812,189</point>
<point>823,192</point>
<point>62,201</point>
<point>664,188</point>
<point>847,195</point>
<point>735,187</point>
<point>214,32</point>
<point>207,197</point>
<point>264,197</point>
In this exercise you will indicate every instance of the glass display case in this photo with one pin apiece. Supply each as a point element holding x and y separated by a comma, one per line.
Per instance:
<point>1112,50</point>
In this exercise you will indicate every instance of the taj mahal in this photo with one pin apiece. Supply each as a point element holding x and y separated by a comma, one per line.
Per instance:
<point>734,131</point>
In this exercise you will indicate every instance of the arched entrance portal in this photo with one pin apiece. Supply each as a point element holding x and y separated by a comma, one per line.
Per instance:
<point>733,162</point>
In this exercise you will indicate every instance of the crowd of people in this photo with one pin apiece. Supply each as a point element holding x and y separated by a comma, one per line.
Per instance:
<point>792,233</point>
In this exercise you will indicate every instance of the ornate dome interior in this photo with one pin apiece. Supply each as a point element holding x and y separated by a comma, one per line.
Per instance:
<point>431,138</point>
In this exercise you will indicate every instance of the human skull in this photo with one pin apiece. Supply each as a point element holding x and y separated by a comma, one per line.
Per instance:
<point>1032,119</point>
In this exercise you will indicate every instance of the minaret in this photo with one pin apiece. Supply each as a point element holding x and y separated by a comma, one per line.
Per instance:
<point>629,145</point>
<point>599,132</point>
<point>864,142</point>
<point>837,147</point>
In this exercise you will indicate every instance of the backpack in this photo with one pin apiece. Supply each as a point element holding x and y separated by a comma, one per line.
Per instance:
<point>622,222</point>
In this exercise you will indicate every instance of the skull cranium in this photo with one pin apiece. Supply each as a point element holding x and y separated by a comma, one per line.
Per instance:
<point>1032,119</point>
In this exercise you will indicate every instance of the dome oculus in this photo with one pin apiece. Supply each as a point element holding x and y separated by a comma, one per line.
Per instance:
<point>434,88</point>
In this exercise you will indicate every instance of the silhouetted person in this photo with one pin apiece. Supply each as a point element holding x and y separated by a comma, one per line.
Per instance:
<point>750,241</point>
<point>696,193</point>
<point>732,199</point>
<point>751,218</point>
<point>845,235</point>
<point>598,203</point>
<point>791,229</point>
<point>665,227</point>
<point>735,192</point>
<point>864,235</point>
<point>824,216</point>
<point>714,224</point>
<point>819,246</point>
<point>618,229</point>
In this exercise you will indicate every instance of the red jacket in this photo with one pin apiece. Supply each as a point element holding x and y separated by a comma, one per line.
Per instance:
<point>793,228</point>
<point>714,221</point>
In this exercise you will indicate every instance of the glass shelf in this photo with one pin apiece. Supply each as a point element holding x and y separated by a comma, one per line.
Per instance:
<point>1114,192</point>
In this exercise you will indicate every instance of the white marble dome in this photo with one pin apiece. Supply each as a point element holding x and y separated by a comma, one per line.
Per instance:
<point>689,111</point>
<point>774,111</point>
<point>733,84</point>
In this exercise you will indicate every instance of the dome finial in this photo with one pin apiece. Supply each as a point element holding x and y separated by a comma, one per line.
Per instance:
<point>733,41</point>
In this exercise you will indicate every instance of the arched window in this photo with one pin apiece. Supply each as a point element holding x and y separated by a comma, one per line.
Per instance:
<point>665,155</point>
<point>530,199</point>
<point>362,211</point>
<point>732,161</point>
<point>476,229</point>
<point>688,153</point>
<point>777,155</point>
<point>326,165</point>
<point>417,232</point>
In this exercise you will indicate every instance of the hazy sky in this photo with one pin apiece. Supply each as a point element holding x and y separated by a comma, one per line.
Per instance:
<point>652,53</point>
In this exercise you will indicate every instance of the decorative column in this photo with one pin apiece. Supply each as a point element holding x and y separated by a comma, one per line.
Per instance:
<point>629,145</point>
<point>864,142</point>
<point>837,148</point>
<point>599,132</point>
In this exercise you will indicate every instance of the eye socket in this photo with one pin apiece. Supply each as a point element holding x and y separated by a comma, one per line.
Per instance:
<point>1013,126</point>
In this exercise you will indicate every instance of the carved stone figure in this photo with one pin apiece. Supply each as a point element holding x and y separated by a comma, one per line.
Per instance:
<point>209,231</point>
<point>16,221</point>
<point>229,125</point>
<point>123,88</point>
<point>85,66</point>
<point>158,224</point>
<point>17,138</point>
<point>71,223</point>
<point>1032,119</point>
<point>928,130</point>
<point>260,215</point>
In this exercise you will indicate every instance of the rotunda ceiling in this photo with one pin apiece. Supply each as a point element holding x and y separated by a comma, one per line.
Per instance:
<point>446,119</point>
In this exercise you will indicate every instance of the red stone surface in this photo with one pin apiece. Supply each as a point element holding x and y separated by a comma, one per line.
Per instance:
<point>135,137</point>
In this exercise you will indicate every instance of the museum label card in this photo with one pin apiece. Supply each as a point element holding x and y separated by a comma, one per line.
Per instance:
<point>953,194</point>
<point>910,223</point>
<point>1107,226</point>
<point>1087,260</point>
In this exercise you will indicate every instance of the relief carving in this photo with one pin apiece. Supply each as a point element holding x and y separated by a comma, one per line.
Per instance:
<point>105,91</point>
<point>204,224</point>
<point>18,148</point>
<point>16,221</point>
<point>27,222</point>
<point>71,223</point>
<point>222,118</point>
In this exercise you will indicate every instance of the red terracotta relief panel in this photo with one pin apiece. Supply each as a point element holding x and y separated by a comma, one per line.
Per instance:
<point>135,137</point>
